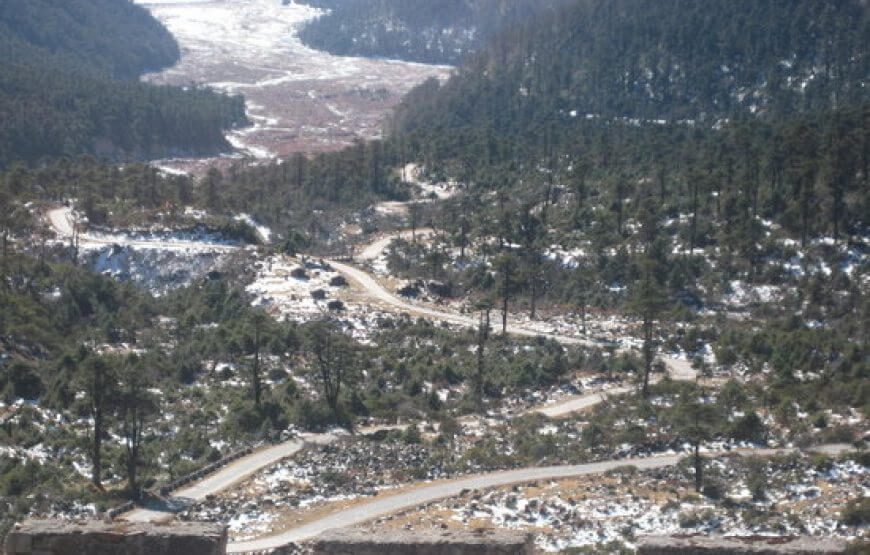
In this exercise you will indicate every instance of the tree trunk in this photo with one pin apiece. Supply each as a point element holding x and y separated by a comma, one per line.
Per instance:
<point>96,454</point>
<point>463,237</point>
<point>504,308</point>
<point>481,360</point>
<point>694,225</point>
<point>255,369</point>
<point>699,467</point>
<point>132,463</point>
<point>647,354</point>
<point>534,290</point>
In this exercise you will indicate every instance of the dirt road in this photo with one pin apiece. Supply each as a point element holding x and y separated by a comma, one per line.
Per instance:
<point>381,506</point>
<point>61,220</point>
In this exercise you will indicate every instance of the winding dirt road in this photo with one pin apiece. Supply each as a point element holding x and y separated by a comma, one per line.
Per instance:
<point>221,480</point>
<point>386,505</point>
<point>678,369</point>
<point>61,219</point>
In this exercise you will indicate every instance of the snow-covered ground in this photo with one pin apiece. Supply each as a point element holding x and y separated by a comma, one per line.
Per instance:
<point>619,507</point>
<point>303,290</point>
<point>298,99</point>
<point>156,260</point>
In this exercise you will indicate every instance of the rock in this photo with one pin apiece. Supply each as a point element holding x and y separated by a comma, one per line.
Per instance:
<point>423,542</point>
<point>754,545</point>
<point>55,537</point>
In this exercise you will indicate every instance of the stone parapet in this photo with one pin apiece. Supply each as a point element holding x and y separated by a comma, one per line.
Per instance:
<point>749,545</point>
<point>56,537</point>
<point>423,542</point>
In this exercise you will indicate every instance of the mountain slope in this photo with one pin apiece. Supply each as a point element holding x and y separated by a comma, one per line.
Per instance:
<point>429,31</point>
<point>681,60</point>
<point>674,148</point>
<point>68,86</point>
<point>119,38</point>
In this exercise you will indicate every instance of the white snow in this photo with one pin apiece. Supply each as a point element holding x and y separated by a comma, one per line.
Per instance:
<point>251,47</point>
<point>264,232</point>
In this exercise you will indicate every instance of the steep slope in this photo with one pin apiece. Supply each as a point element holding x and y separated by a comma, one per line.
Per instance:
<point>681,60</point>
<point>68,86</point>
<point>430,31</point>
<point>681,156</point>
<point>120,38</point>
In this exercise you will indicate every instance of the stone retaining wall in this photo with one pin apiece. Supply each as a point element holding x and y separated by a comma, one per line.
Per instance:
<point>166,489</point>
<point>426,542</point>
<point>54,537</point>
<point>754,545</point>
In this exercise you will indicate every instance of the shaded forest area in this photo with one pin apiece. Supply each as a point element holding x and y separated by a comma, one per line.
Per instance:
<point>69,86</point>
<point>427,31</point>
<point>685,61</point>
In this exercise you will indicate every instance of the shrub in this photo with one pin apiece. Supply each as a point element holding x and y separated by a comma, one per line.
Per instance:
<point>749,428</point>
<point>857,512</point>
<point>694,519</point>
<point>412,435</point>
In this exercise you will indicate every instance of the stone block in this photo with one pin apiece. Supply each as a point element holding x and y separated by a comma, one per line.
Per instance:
<point>739,545</point>
<point>353,541</point>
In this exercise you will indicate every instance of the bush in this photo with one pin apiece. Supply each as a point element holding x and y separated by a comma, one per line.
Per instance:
<point>335,478</point>
<point>756,481</point>
<point>714,489</point>
<point>749,428</point>
<point>412,435</point>
<point>317,417</point>
<point>694,519</point>
<point>22,382</point>
<point>856,513</point>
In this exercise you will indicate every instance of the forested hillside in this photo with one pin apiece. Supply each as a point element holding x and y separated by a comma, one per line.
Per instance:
<point>686,60</point>
<point>430,31</point>
<point>626,151</point>
<point>68,86</point>
<point>625,228</point>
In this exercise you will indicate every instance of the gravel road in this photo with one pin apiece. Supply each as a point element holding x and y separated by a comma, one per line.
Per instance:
<point>386,505</point>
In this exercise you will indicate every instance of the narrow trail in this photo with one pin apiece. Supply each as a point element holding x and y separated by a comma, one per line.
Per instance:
<point>678,369</point>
